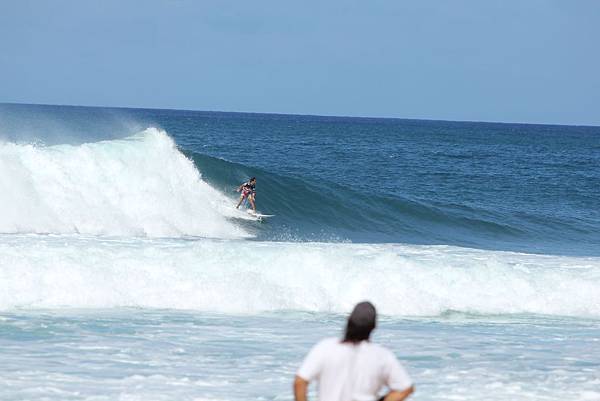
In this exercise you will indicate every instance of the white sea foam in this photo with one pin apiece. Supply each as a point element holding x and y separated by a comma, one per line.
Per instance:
<point>140,186</point>
<point>237,276</point>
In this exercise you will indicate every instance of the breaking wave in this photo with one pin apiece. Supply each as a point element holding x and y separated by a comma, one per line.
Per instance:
<point>138,186</point>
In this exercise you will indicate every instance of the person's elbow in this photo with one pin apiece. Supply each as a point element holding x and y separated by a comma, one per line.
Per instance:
<point>396,395</point>
<point>298,381</point>
<point>300,388</point>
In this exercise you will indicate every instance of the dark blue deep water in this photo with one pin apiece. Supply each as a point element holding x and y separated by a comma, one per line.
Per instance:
<point>521,187</point>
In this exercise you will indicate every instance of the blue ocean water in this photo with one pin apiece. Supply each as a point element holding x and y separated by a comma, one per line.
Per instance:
<point>126,273</point>
<point>522,187</point>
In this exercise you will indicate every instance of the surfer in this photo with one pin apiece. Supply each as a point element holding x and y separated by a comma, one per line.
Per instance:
<point>353,368</point>
<point>248,190</point>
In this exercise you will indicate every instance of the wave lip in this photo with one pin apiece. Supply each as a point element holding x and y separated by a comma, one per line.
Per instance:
<point>252,277</point>
<point>138,186</point>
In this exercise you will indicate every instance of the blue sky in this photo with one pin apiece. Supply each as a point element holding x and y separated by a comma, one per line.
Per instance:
<point>510,60</point>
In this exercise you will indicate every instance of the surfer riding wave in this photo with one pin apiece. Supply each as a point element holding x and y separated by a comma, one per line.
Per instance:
<point>248,190</point>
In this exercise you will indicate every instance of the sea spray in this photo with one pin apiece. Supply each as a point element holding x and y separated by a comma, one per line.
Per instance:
<point>138,186</point>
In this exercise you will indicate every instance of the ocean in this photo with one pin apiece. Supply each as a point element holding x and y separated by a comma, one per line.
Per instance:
<point>127,274</point>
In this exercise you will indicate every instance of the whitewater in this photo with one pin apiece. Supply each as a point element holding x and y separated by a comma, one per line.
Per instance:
<point>210,276</point>
<point>138,186</point>
<point>126,272</point>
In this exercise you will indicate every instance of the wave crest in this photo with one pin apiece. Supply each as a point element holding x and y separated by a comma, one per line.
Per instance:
<point>141,186</point>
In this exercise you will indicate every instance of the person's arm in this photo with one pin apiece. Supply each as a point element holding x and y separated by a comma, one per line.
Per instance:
<point>300,389</point>
<point>309,370</point>
<point>399,395</point>
<point>399,382</point>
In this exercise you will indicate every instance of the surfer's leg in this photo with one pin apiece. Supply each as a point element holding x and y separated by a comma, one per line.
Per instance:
<point>251,199</point>
<point>240,202</point>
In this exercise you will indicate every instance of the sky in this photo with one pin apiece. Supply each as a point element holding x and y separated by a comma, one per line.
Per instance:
<point>512,60</point>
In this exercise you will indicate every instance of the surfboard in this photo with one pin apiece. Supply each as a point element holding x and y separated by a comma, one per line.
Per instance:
<point>259,216</point>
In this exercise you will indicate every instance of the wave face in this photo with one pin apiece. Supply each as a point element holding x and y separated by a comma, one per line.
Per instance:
<point>316,210</point>
<point>138,186</point>
<point>237,276</point>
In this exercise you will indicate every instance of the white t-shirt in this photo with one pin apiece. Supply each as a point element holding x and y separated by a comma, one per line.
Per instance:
<point>348,372</point>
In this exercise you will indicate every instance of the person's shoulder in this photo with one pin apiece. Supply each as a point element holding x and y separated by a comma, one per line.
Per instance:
<point>324,346</point>
<point>329,342</point>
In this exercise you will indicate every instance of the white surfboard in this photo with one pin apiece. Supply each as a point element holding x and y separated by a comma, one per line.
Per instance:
<point>259,216</point>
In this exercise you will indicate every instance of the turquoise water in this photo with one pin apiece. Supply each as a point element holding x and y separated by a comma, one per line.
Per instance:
<point>125,272</point>
<point>176,355</point>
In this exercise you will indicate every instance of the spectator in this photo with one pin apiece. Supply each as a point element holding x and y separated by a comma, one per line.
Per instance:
<point>353,369</point>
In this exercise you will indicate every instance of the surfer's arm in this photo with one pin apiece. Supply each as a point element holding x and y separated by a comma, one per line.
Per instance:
<point>300,389</point>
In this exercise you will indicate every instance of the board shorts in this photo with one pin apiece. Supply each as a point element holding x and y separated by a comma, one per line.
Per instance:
<point>246,192</point>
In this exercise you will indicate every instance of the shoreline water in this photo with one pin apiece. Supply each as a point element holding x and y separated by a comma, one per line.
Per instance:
<point>165,354</point>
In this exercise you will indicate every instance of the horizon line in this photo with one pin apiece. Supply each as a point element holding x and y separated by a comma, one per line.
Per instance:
<point>306,115</point>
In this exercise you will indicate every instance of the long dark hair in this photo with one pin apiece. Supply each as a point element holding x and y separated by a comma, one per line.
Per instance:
<point>361,323</point>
